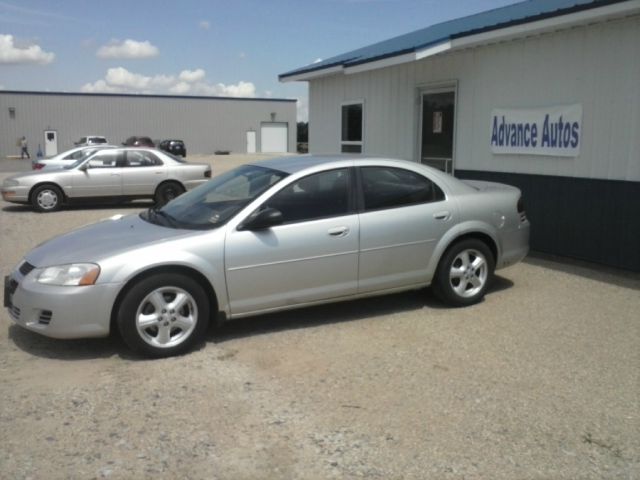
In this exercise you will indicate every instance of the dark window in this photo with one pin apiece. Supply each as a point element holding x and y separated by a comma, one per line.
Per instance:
<point>387,187</point>
<point>319,195</point>
<point>351,137</point>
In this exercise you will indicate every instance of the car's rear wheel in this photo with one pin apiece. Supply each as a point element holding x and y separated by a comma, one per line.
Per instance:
<point>464,273</point>
<point>164,315</point>
<point>47,198</point>
<point>168,191</point>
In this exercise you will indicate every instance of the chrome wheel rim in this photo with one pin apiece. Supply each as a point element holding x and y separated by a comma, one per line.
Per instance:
<point>166,317</point>
<point>47,199</point>
<point>468,273</point>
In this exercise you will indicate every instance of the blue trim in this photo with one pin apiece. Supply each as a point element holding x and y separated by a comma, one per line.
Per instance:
<point>135,95</point>
<point>491,20</point>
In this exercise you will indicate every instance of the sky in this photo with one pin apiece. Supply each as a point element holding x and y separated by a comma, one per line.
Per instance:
<point>189,47</point>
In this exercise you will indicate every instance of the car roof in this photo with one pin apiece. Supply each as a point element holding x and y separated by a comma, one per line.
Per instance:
<point>295,163</point>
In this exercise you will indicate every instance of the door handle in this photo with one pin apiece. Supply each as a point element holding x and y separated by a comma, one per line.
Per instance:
<point>338,231</point>
<point>444,215</point>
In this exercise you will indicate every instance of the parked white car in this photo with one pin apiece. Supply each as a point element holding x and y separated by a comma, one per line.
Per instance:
<point>91,140</point>
<point>67,158</point>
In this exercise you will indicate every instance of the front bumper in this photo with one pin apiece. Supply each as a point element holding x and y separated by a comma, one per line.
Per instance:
<point>515,245</point>
<point>17,194</point>
<point>60,311</point>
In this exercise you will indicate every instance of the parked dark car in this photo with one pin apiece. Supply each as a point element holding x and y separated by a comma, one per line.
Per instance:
<point>139,142</point>
<point>177,147</point>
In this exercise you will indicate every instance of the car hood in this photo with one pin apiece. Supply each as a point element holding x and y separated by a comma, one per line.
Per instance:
<point>35,175</point>
<point>95,242</point>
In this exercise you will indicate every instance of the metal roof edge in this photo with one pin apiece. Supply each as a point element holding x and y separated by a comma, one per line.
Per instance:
<point>141,95</point>
<point>310,71</point>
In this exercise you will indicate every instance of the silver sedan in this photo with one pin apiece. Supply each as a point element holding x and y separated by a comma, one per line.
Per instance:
<point>279,234</point>
<point>107,174</point>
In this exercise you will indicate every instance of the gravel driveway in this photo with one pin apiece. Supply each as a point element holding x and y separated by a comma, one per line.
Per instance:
<point>540,381</point>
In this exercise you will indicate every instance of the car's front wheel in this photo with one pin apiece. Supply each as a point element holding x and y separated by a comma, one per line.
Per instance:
<point>47,198</point>
<point>464,273</point>
<point>164,315</point>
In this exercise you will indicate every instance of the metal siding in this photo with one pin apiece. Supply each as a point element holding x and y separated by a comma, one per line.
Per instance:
<point>596,65</point>
<point>205,125</point>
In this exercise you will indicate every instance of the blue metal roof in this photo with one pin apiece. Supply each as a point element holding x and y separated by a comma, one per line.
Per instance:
<point>498,18</point>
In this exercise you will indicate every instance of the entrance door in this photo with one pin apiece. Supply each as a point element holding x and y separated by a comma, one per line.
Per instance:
<point>251,141</point>
<point>436,145</point>
<point>50,143</point>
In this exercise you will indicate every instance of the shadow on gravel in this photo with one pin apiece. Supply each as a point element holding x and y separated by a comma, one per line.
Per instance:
<point>137,205</point>
<point>591,271</point>
<point>338,312</point>
<point>92,348</point>
<point>82,349</point>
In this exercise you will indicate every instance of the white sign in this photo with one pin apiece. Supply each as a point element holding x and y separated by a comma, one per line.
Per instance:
<point>554,131</point>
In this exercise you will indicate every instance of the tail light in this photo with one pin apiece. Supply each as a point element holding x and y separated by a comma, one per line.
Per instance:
<point>207,173</point>
<point>37,166</point>
<point>521,210</point>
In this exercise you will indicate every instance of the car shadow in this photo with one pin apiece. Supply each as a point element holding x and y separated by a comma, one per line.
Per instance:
<point>96,348</point>
<point>81,349</point>
<point>588,270</point>
<point>338,312</point>
<point>136,205</point>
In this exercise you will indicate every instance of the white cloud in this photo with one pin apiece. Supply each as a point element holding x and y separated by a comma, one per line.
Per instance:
<point>241,89</point>
<point>128,49</point>
<point>204,24</point>
<point>12,54</point>
<point>192,82</point>
<point>180,88</point>
<point>192,75</point>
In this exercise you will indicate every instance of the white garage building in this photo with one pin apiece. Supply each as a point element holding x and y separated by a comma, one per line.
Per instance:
<point>543,94</point>
<point>54,120</point>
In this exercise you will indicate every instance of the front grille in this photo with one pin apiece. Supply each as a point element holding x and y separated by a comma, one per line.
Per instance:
<point>25,268</point>
<point>14,312</point>
<point>45,317</point>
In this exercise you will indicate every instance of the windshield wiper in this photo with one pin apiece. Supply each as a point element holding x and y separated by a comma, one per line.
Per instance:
<point>168,220</point>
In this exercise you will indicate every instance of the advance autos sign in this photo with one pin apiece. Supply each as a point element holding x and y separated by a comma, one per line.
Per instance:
<point>554,131</point>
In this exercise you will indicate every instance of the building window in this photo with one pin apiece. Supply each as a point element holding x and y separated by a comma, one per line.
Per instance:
<point>352,121</point>
<point>12,113</point>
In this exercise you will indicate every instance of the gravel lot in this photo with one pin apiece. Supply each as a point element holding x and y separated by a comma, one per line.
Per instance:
<point>540,381</point>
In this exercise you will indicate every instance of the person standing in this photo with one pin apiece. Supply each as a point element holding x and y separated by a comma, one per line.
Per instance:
<point>23,148</point>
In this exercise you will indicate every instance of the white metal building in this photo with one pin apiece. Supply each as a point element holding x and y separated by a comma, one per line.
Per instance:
<point>54,121</point>
<point>543,94</point>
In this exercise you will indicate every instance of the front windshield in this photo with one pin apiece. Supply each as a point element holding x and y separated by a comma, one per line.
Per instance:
<point>212,204</point>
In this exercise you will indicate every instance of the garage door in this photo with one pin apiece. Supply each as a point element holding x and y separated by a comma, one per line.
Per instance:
<point>273,137</point>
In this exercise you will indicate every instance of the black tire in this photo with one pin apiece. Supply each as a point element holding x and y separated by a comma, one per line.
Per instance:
<point>47,198</point>
<point>464,273</point>
<point>167,191</point>
<point>150,326</point>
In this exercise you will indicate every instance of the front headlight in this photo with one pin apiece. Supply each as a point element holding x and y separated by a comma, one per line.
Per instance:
<point>10,183</point>
<point>73,274</point>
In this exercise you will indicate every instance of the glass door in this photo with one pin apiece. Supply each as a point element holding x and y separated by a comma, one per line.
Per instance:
<point>437,118</point>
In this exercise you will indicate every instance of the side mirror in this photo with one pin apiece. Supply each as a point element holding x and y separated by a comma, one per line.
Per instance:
<point>267,218</point>
<point>84,167</point>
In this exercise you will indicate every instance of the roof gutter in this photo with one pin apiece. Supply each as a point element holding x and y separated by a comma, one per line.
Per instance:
<point>598,14</point>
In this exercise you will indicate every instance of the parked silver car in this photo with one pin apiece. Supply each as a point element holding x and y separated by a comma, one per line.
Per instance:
<point>66,158</point>
<point>108,174</point>
<point>274,235</point>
